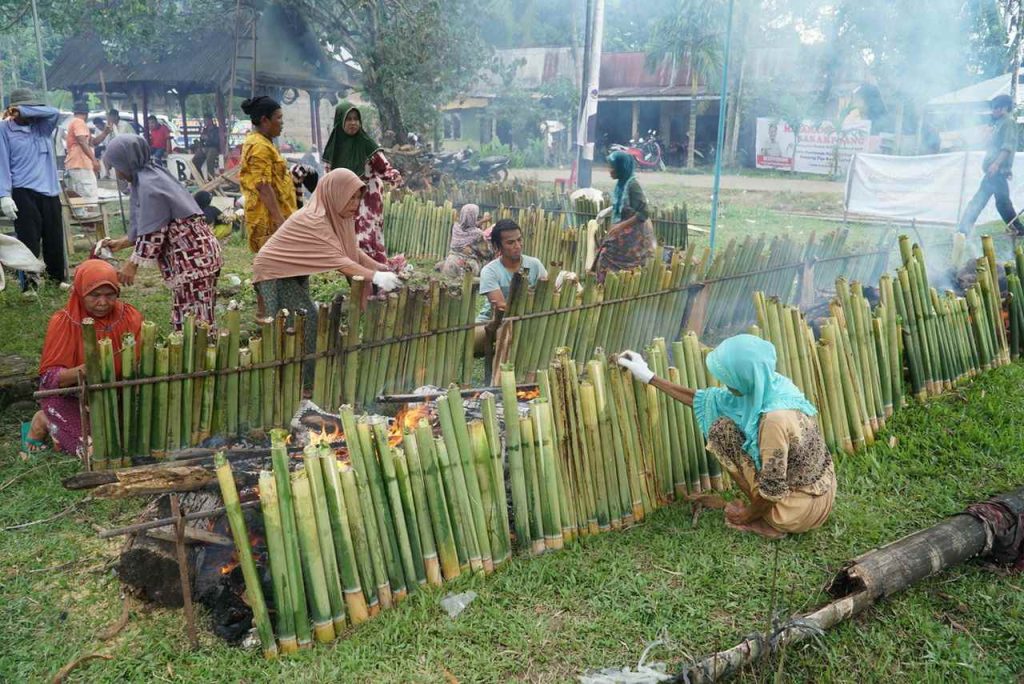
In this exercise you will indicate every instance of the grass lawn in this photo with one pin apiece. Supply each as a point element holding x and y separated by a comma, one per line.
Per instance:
<point>595,604</point>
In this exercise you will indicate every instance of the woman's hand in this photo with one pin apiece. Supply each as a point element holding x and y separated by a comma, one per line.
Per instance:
<point>118,244</point>
<point>386,280</point>
<point>127,273</point>
<point>636,365</point>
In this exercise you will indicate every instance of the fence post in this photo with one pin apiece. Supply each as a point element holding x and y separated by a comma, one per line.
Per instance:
<point>805,287</point>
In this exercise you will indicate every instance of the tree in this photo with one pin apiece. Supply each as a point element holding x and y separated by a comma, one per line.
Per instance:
<point>415,55</point>
<point>691,35</point>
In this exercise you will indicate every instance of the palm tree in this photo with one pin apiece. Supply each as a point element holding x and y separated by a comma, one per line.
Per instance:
<point>691,35</point>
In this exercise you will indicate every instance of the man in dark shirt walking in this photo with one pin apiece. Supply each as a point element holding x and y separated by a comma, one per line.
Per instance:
<point>209,147</point>
<point>997,166</point>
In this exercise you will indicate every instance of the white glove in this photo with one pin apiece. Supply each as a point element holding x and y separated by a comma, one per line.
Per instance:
<point>386,280</point>
<point>604,213</point>
<point>9,208</point>
<point>636,365</point>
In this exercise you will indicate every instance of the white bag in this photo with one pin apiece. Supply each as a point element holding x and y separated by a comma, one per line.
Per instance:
<point>16,256</point>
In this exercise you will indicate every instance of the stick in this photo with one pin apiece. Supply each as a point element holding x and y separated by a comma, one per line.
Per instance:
<point>186,585</point>
<point>428,396</point>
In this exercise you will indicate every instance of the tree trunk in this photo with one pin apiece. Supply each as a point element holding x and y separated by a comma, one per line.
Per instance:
<point>691,124</point>
<point>387,109</point>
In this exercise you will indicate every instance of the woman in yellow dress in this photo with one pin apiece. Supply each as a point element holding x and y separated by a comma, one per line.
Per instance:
<point>267,185</point>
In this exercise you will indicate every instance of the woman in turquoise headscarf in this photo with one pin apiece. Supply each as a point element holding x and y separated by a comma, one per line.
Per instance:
<point>763,431</point>
<point>630,241</point>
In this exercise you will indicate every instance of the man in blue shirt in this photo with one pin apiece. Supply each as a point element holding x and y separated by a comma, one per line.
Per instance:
<point>496,276</point>
<point>29,191</point>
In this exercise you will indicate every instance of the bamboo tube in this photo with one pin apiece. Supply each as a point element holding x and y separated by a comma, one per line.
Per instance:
<point>611,436</point>
<point>298,378</point>
<point>484,474</point>
<point>419,503</point>
<point>268,376</point>
<point>542,427</point>
<point>364,555</point>
<point>111,410</point>
<point>208,396</point>
<point>199,345</point>
<point>296,577</point>
<point>514,455</point>
<point>321,389</point>
<point>175,350</point>
<point>456,437</point>
<point>253,588</point>
<point>391,587</point>
<point>290,374</point>
<point>458,510</point>
<point>101,451</point>
<point>231,320</point>
<point>497,473</point>
<point>312,559</point>
<point>411,517</point>
<point>276,553</point>
<point>220,406</point>
<point>128,406</point>
<point>158,434</point>
<point>147,366</point>
<point>188,358</point>
<point>408,545</point>
<point>534,494</point>
<point>630,446</point>
<point>573,511</point>
<point>440,521</point>
<point>245,391</point>
<point>588,398</point>
<point>324,535</point>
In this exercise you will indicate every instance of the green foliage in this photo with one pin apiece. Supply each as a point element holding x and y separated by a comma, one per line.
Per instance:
<point>530,154</point>
<point>629,25</point>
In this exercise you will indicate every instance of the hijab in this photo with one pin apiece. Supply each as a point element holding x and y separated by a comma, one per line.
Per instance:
<point>156,197</point>
<point>747,364</point>
<point>625,169</point>
<point>63,346</point>
<point>465,231</point>
<point>344,151</point>
<point>316,238</point>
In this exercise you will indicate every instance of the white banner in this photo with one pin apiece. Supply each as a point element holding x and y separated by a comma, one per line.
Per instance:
<point>933,188</point>
<point>777,146</point>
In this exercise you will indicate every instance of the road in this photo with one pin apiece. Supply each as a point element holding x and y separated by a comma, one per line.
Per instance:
<point>666,180</point>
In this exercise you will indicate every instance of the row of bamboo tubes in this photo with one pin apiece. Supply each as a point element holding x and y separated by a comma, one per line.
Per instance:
<point>1015,308</point>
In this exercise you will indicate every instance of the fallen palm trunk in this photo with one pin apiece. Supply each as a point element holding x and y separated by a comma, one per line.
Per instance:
<point>863,581</point>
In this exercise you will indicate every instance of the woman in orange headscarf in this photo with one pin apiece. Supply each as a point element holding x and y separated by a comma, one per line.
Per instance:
<point>94,294</point>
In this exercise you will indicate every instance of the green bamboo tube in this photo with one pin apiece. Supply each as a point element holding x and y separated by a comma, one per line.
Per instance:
<point>412,518</point>
<point>312,559</point>
<point>276,556</point>
<point>908,328</point>
<point>188,357</point>
<point>988,248</point>
<point>174,393</point>
<point>630,445</point>
<point>286,391</point>
<point>410,555</point>
<point>514,454</point>
<point>534,493</point>
<point>321,386</point>
<point>441,522</point>
<point>220,406</point>
<point>821,401</point>
<point>693,361</point>
<point>671,428</point>
<point>854,382</point>
<point>468,314</point>
<point>592,477</point>
<point>324,534</point>
<point>375,507</point>
<point>392,354</point>
<point>845,384</point>
<point>199,345</point>
<point>422,344</point>
<point>456,438</point>
<point>576,504</point>
<point>296,578</point>
<point>158,434</point>
<point>433,307</point>
<point>128,405</point>
<point>255,383</point>
<point>690,430</point>
<point>485,476</point>
<point>101,451</point>
<point>147,366</point>
<point>588,398</point>
<point>373,330</point>
<point>489,407</point>
<point>458,510</point>
<point>364,555</point>
<point>268,376</point>
<point>280,405</point>
<point>543,430</point>
<point>298,379</point>
<point>111,410</point>
<point>231,323</point>
<point>834,397</point>
<point>417,494</point>
<point>253,588</point>
<point>245,389</point>
<point>208,396</point>
<point>616,478</point>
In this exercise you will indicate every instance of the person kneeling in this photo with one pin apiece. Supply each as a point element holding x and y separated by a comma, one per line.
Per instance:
<point>761,428</point>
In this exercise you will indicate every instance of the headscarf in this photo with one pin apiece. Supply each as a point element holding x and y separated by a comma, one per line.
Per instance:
<point>747,364</point>
<point>316,238</point>
<point>625,168</point>
<point>156,197</point>
<point>465,231</point>
<point>344,151</point>
<point>63,346</point>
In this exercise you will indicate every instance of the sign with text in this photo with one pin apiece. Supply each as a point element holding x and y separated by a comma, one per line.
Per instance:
<point>814,150</point>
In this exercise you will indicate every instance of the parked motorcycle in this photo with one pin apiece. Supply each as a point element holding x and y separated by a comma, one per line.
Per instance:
<point>460,165</point>
<point>646,151</point>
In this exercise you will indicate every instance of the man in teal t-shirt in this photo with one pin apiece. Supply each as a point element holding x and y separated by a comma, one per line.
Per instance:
<point>997,167</point>
<point>496,276</point>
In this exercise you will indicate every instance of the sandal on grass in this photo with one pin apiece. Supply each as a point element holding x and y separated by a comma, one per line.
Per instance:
<point>29,445</point>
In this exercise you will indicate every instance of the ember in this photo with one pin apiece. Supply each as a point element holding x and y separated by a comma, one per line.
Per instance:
<point>407,419</point>
<point>527,395</point>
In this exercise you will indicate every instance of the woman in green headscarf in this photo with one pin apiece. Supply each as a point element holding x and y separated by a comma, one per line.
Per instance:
<point>352,148</point>
<point>762,430</point>
<point>630,241</point>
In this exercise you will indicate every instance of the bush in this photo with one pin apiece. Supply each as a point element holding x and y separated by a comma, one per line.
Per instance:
<point>531,155</point>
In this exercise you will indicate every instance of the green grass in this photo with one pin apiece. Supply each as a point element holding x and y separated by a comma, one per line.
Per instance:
<point>595,604</point>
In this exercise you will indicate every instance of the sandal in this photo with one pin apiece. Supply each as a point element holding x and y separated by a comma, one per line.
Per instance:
<point>29,445</point>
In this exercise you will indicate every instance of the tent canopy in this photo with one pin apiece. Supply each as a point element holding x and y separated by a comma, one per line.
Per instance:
<point>976,93</point>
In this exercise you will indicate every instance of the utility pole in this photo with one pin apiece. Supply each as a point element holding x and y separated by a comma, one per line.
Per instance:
<point>722,99</point>
<point>586,132</point>
<point>39,51</point>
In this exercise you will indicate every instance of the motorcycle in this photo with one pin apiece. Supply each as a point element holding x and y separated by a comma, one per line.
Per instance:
<point>460,166</point>
<point>646,151</point>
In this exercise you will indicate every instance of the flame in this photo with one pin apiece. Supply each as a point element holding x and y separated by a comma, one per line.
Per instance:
<point>407,419</point>
<point>527,395</point>
<point>326,437</point>
<point>226,569</point>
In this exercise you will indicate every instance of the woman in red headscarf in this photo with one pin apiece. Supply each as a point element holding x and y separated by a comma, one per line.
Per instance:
<point>95,294</point>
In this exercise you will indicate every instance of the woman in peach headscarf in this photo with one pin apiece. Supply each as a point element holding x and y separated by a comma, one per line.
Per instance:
<point>94,294</point>
<point>318,238</point>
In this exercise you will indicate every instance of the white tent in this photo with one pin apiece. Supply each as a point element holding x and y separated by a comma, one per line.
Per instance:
<point>978,92</point>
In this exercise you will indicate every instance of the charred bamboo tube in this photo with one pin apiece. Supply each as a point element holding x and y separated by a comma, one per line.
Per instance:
<point>253,587</point>
<point>97,407</point>
<point>324,535</point>
<point>278,563</point>
<point>296,578</point>
<point>440,521</point>
<point>419,504</point>
<point>312,559</point>
<point>364,555</point>
<point>405,543</point>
